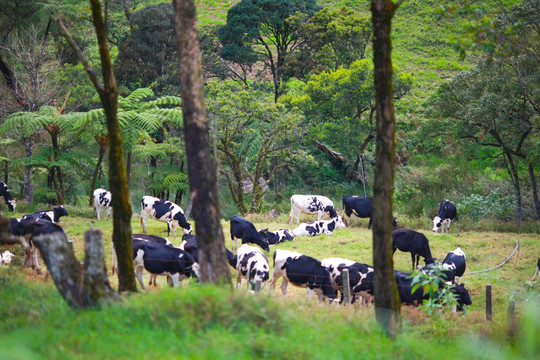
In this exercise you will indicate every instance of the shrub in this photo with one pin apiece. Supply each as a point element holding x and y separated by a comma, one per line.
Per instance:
<point>491,206</point>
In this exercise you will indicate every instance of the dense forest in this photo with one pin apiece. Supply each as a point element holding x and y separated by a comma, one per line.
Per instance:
<point>290,101</point>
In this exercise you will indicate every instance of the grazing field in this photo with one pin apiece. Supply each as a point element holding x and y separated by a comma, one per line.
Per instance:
<point>204,322</point>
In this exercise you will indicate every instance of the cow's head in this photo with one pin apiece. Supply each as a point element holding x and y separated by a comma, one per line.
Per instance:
<point>339,222</point>
<point>271,237</point>
<point>59,212</point>
<point>263,243</point>
<point>331,211</point>
<point>437,222</point>
<point>6,257</point>
<point>429,260</point>
<point>463,297</point>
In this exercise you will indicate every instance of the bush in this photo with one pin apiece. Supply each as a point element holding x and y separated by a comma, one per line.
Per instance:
<point>490,206</point>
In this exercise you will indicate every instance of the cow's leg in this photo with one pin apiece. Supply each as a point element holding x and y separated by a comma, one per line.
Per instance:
<point>289,220</point>
<point>275,277</point>
<point>97,212</point>
<point>143,223</point>
<point>369,223</point>
<point>413,258</point>
<point>284,284</point>
<point>175,278</point>
<point>238,280</point>
<point>138,274</point>
<point>108,213</point>
<point>535,274</point>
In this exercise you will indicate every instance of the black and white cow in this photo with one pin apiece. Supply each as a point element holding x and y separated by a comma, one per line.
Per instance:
<point>159,259</point>
<point>303,271</point>
<point>311,204</point>
<point>319,227</point>
<point>416,243</point>
<point>4,192</point>
<point>189,244</point>
<point>166,211</point>
<point>53,215</point>
<point>102,201</point>
<point>445,214</point>
<point>360,277</point>
<point>537,270</point>
<point>362,207</point>
<point>454,264</point>
<point>252,265</point>
<point>245,230</point>
<point>277,237</point>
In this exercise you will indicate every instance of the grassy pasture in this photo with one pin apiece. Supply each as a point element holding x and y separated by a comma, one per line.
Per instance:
<point>203,322</point>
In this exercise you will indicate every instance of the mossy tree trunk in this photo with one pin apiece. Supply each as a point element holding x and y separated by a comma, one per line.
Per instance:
<point>201,169</point>
<point>108,93</point>
<point>387,305</point>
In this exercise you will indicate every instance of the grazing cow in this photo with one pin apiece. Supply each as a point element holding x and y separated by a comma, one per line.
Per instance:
<point>102,201</point>
<point>302,271</point>
<point>311,204</point>
<point>4,192</point>
<point>189,244</point>
<point>245,230</point>
<point>360,277</point>
<point>53,215</point>
<point>165,211</point>
<point>362,207</point>
<point>414,242</point>
<point>319,227</point>
<point>277,237</point>
<point>537,270</point>
<point>5,258</point>
<point>252,265</point>
<point>445,214</point>
<point>404,284</point>
<point>141,237</point>
<point>159,259</point>
<point>454,264</point>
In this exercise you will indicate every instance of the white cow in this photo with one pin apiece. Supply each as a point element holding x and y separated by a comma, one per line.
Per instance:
<point>166,211</point>
<point>102,201</point>
<point>311,204</point>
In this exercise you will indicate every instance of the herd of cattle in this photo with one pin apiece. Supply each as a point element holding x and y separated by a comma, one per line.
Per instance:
<point>158,256</point>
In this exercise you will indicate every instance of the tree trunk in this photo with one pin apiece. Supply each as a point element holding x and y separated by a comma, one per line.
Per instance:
<point>201,169</point>
<point>28,186</point>
<point>81,285</point>
<point>534,190</point>
<point>514,176</point>
<point>122,212</point>
<point>102,151</point>
<point>387,305</point>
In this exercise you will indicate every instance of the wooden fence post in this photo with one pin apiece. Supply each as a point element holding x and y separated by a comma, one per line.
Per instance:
<point>512,318</point>
<point>489,308</point>
<point>346,288</point>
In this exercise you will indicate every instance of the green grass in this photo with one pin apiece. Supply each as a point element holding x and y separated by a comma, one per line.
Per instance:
<point>205,322</point>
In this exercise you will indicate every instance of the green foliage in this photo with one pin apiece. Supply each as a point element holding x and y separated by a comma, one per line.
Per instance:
<point>440,298</point>
<point>329,39</point>
<point>493,206</point>
<point>147,57</point>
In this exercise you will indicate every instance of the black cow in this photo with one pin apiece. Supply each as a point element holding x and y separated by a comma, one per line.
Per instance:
<point>53,215</point>
<point>302,271</point>
<point>404,284</point>
<point>166,211</point>
<point>454,264</point>
<point>245,230</point>
<point>277,237</point>
<point>416,243</point>
<point>163,260</point>
<point>362,207</point>
<point>189,244</point>
<point>360,277</point>
<point>445,214</point>
<point>4,192</point>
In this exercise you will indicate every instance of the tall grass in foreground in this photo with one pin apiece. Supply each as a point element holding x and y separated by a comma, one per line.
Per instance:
<point>207,322</point>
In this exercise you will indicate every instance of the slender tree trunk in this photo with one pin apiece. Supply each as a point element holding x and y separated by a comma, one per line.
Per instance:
<point>102,151</point>
<point>514,176</point>
<point>28,186</point>
<point>201,169</point>
<point>387,305</point>
<point>108,93</point>
<point>534,190</point>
